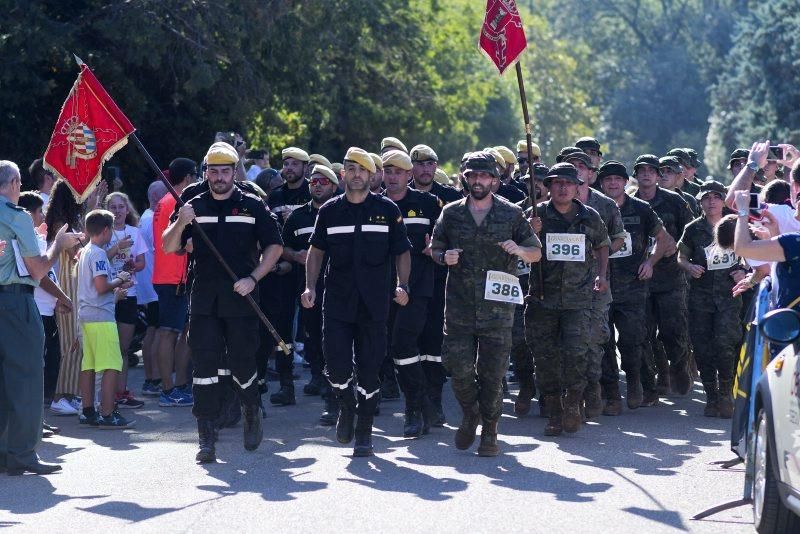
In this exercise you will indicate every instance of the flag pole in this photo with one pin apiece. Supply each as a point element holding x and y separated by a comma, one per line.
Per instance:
<point>529,143</point>
<point>210,245</point>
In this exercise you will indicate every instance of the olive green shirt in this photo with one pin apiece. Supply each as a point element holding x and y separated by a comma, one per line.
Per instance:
<point>16,229</point>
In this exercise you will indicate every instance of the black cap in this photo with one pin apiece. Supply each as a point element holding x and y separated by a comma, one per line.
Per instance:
<point>612,168</point>
<point>739,153</point>
<point>540,171</point>
<point>562,170</point>
<point>588,143</point>
<point>671,162</point>
<point>255,153</point>
<point>683,157</point>
<point>646,160</point>
<point>180,168</point>
<point>572,152</point>
<point>481,162</point>
<point>711,186</point>
<point>694,158</point>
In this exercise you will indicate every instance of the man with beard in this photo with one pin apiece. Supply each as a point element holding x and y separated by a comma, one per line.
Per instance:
<point>416,374</point>
<point>294,193</point>
<point>573,269</point>
<point>666,303</point>
<point>501,187</point>
<point>425,163</point>
<point>220,318</point>
<point>376,178</point>
<point>296,238</point>
<point>480,239</point>
<point>361,233</point>
<point>630,268</point>
<point>522,156</point>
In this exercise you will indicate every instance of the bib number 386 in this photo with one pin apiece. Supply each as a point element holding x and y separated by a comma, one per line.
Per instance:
<point>502,287</point>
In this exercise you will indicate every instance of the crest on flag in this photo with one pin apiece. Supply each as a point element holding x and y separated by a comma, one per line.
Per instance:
<point>502,35</point>
<point>89,130</point>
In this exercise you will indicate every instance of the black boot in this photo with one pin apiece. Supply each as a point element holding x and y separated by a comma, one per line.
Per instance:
<point>328,417</point>
<point>527,390</point>
<point>390,390</point>
<point>284,396</point>
<point>413,426</point>
<point>438,418</point>
<point>230,412</point>
<point>347,414</point>
<point>712,399</point>
<point>314,386</point>
<point>363,431</point>
<point>205,432</point>
<point>253,432</point>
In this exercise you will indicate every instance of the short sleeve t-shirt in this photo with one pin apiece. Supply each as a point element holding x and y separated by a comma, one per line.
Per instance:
<point>93,307</point>
<point>788,271</point>
<point>123,260</point>
<point>44,300</point>
<point>167,268</point>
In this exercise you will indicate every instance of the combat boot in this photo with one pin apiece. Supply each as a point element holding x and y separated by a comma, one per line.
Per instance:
<point>592,401</point>
<point>363,431</point>
<point>437,417</point>
<point>230,413</point>
<point>613,400</point>
<point>663,384</point>
<point>712,399</point>
<point>253,432</point>
<point>555,412</point>
<point>488,445</point>
<point>634,392</point>
<point>465,435</point>
<point>650,398</point>
<point>347,414</point>
<point>725,403</point>
<point>571,420</point>
<point>527,389</point>
<point>314,386</point>
<point>205,431</point>
<point>331,413</point>
<point>680,378</point>
<point>543,410</point>
<point>284,396</point>
<point>413,426</point>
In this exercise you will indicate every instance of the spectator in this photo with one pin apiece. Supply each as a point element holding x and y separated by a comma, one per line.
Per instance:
<point>259,162</point>
<point>43,180</point>
<point>126,251</point>
<point>777,192</point>
<point>146,296</point>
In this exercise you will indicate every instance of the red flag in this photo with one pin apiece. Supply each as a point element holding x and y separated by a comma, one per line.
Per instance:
<point>502,35</point>
<point>89,130</point>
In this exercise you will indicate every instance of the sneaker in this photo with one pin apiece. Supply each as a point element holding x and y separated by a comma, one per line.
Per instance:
<point>113,421</point>
<point>91,420</point>
<point>127,400</point>
<point>150,389</point>
<point>76,403</point>
<point>63,407</point>
<point>298,359</point>
<point>177,398</point>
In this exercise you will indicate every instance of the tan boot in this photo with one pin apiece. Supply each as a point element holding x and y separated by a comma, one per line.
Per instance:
<point>725,404</point>
<point>634,393</point>
<point>592,401</point>
<point>555,411</point>
<point>526,391</point>
<point>613,400</point>
<point>465,435</point>
<point>571,420</point>
<point>488,446</point>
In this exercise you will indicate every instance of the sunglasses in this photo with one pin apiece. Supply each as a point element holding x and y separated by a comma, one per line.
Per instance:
<point>320,181</point>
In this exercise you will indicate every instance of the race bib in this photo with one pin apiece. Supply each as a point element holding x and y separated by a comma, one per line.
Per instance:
<point>522,267</point>
<point>502,287</point>
<point>718,258</point>
<point>566,247</point>
<point>626,249</point>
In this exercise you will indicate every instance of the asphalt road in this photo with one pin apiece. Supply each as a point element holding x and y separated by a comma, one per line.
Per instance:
<point>645,471</point>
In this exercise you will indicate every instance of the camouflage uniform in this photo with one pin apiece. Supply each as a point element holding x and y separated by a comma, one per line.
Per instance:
<point>715,329</point>
<point>667,316</point>
<point>478,331</point>
<point>557,327</point>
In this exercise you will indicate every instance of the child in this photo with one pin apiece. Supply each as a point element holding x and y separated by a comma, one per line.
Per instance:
<point>96,302</point>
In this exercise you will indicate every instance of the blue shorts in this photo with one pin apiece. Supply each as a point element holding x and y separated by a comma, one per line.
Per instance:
<point>173,308</point>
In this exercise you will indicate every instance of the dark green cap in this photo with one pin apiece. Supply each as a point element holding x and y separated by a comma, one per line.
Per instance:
<point>572,152</point>
<point>646,160</point>
<point>612,168</point>
<point>711,186</point>
<point>588,143</point>
<point>562,170</point>
<point>540,171</point>
<point>739,153</point>
<point>683,157</point>
<point>481,162</point>
<point>670,162</point>
<point>694,159</point>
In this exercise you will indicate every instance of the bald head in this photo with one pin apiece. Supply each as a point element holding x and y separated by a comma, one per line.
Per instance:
<point>156,192</point>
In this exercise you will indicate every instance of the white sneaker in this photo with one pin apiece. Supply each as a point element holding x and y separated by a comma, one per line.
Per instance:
<point>63,407</point>
<point>298,360</point>
<point>75,402</point>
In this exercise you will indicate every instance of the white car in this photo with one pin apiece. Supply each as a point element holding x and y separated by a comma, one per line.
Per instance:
<point>776,447</point>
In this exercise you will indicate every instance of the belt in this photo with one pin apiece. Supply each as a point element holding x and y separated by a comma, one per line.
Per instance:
<point>16,288</point>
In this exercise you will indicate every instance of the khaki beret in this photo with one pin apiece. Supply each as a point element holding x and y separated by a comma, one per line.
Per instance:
<point>423,153</point>
<point>397,158</point>
<point>509,156</point>
<point>522,146</point>
<point>327,172</point>
<point>360,156</point>
<point>319,158</point>
<point>296,153</point>
<point>337,168</point>
<point>497,157</point>
<point>391,143</point>
<point>377,159</point>
<point>441,177</point>
<point>221,153</point>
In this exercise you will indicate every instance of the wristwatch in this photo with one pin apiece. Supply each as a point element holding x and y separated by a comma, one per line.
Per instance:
<point>441,256</point>
<point>404,287</point>
<point>753,166</point>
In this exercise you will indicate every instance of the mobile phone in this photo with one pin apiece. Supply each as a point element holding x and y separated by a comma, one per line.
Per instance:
<point>756,207</point>
<point>228,137</point>
<point>775,153</point>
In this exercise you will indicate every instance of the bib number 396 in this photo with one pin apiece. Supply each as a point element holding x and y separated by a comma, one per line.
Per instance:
<point>566,247</point>
<point>502,287</point>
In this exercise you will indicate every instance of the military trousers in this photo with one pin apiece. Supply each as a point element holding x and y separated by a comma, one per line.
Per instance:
<point>716,331</point>
<point>477,359</point>
<point>521,355</point>
<point>405,325</point>
<point>559,341</point>
<point>21,378</point>
<point>627,317</point>
<point>667,321</point>
<point>354,351</point>
<point>311,321</point>
<point>209,338</point>
<point>599,335</point>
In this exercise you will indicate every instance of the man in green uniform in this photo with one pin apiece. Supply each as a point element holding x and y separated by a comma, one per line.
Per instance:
<point>671,179</point>
<point>684,181</point>
<point>480,238</point>
<point>557,326</point>
<point>22,265</point>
